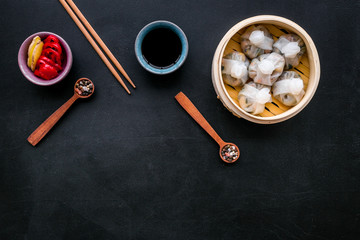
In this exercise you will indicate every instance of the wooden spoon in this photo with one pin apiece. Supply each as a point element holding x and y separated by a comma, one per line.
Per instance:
<point>45,127</point>
<point>198,117</point>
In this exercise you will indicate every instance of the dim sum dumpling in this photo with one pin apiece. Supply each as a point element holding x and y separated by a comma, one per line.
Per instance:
<point>252,97</point>
<point>292,47</point>
<point>256,40</point>
<point>234,69</point>
<point>289,89</point>
<point>267,68</point>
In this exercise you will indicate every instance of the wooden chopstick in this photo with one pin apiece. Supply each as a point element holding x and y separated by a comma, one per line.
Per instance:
<point>99,41</point>
<point>93,44</point>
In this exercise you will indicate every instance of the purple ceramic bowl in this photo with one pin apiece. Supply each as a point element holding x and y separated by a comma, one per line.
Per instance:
<point>26,71</point>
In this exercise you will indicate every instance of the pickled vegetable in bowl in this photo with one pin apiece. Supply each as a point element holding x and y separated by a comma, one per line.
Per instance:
<point>45,58</point>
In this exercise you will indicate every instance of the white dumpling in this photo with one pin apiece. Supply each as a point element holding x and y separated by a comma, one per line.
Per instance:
<point>289,89</point>
<point>256,41</point>
<point>267,68</point>
<point>234,69</point>
<point>252,97</point>
<point>292,47</point>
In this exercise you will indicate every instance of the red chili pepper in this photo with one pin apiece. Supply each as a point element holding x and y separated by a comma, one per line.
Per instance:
<point>53,46</point>
<point>50,62</point>
<point>45,71</point>
<point>52,39</point>
<point>52,55</point>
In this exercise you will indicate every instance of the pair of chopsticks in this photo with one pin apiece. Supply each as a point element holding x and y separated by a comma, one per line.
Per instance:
<point>93,43</point>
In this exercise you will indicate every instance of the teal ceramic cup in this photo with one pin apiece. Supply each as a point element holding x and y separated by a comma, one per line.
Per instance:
<point>158,25</point>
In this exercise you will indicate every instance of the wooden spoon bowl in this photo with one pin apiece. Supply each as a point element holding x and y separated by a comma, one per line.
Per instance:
<point>224,144</point>
<point>80,95</point>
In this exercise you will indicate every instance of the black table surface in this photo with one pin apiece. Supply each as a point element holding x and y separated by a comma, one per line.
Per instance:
<point>138,167</point>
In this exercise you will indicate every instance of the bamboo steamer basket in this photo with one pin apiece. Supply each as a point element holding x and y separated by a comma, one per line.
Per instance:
<point>309,70</point>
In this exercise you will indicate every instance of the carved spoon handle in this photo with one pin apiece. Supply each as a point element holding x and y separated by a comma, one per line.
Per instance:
<point>45,127</point>
<point>198,117</point>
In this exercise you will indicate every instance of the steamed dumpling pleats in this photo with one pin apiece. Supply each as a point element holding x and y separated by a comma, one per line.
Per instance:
<point>252,97</point>
<point>289,89</point>
<point>267,68</point>
<point>256,40</point>
<point>234,69</point>
<point>292,47</point>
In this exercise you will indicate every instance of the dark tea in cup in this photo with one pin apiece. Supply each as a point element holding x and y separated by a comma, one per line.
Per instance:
<point>161,47</point>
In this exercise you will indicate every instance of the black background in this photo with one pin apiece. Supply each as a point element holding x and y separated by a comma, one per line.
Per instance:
<point>138,167</point>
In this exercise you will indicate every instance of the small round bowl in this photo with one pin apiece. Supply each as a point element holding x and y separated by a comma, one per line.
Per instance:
<point>155,25</point>
<point>26,71</point>
<point>309,69</point>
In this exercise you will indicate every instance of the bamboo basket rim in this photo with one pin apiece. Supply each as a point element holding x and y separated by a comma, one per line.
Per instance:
<point>314,67</point>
